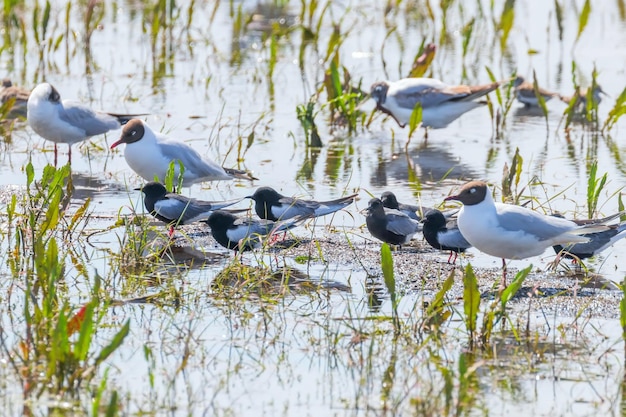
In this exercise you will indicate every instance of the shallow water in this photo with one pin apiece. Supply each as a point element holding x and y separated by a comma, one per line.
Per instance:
<point>211,87</point>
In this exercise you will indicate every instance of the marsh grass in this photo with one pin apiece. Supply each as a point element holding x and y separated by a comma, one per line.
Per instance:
<point>54,350</point>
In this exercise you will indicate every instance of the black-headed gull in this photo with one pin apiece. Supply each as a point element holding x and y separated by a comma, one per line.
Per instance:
<point>390,225</point>
<point>15,97</point>
<point>175,209</point>
<point>67,121</point>
<point>149,154</point>
<point>525,92</point>
<point>444,234</point>
<point>244,233</point>
<point>271,205</point>
<point>441,103</point>
<point>512,232</point>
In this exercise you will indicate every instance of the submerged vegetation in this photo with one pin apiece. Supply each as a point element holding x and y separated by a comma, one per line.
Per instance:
<point>104,314</point>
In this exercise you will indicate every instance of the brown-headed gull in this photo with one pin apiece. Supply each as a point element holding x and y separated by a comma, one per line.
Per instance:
<point>149,154</point>
<point>67,121</point>
<point>508,231</point>
<point>441,103</point>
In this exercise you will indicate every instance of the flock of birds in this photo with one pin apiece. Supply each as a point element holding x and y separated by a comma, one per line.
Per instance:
<point>501,230</point>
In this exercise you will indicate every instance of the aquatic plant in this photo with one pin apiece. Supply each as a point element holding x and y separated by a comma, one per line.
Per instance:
<point>595,186</point>
<point>53,349</point>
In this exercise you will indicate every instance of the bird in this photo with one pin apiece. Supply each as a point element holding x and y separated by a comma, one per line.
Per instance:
<point>389,200</point>
<point>578,100</point>
<point>245,233</point>
<point>444,234</point>
<point>525,92</point>
<point>150,154</point>
<point>67,121</point>
<point>389,225</point>
<point>175,209</point>
<point>271,205</point>
<point>598,241</point>
<point>441,103</point>
<point>511,232</point>
<point>13,99</point>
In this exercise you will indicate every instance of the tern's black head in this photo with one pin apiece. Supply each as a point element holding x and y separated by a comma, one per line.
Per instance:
<point>389,200</point>
<point>264,198</point>
<point>434,219</point>
<point>472,193</point>
<point>375,208</point>
<point>133,131</point>
<point>266,195</point>
<point>220,220</point>
<point>153,189</point>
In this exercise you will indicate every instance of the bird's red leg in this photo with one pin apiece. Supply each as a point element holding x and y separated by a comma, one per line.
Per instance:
<point>450,257</point>
<point>70,154</point>
<point>170,232</point>
<point>55,154</point>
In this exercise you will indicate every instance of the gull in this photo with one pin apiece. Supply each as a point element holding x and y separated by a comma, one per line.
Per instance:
<point>67,121</point>
<point>444,234</point>
<point>512,232</point>
<point>175,209</point>
<point>271,205</point>
<point>15,97</point>
<point>441,103</point>
<point>149,154</point>
<point>390,225</point>
<point>525,92</point>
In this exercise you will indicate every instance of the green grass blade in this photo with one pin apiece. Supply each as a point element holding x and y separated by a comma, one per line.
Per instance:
<point>510,291</point>
<point>115,343</point>
<point>583,18</point>
<point>387,265</point>
<point>471,299</point>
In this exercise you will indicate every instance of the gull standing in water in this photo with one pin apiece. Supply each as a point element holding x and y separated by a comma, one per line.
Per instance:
<point>441,103</point>
<point>67,121</point>
<point>149,154</point>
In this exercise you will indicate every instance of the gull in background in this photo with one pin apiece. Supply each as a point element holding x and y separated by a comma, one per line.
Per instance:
<point>67,121</point>
<point>441,103</point>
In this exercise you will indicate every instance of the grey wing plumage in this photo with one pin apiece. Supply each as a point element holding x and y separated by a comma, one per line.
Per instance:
<point>91,122</point>
<point>426,95</point>
<point>327,207</point>
<point>453,238</point>
<point>401,224</point>
<point>192,161</point>
<point>292,207</point>
<point>534,223</point>
<point>189,210</point>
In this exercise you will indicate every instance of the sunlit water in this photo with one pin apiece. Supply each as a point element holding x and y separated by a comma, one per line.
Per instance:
<point>215,92</point>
